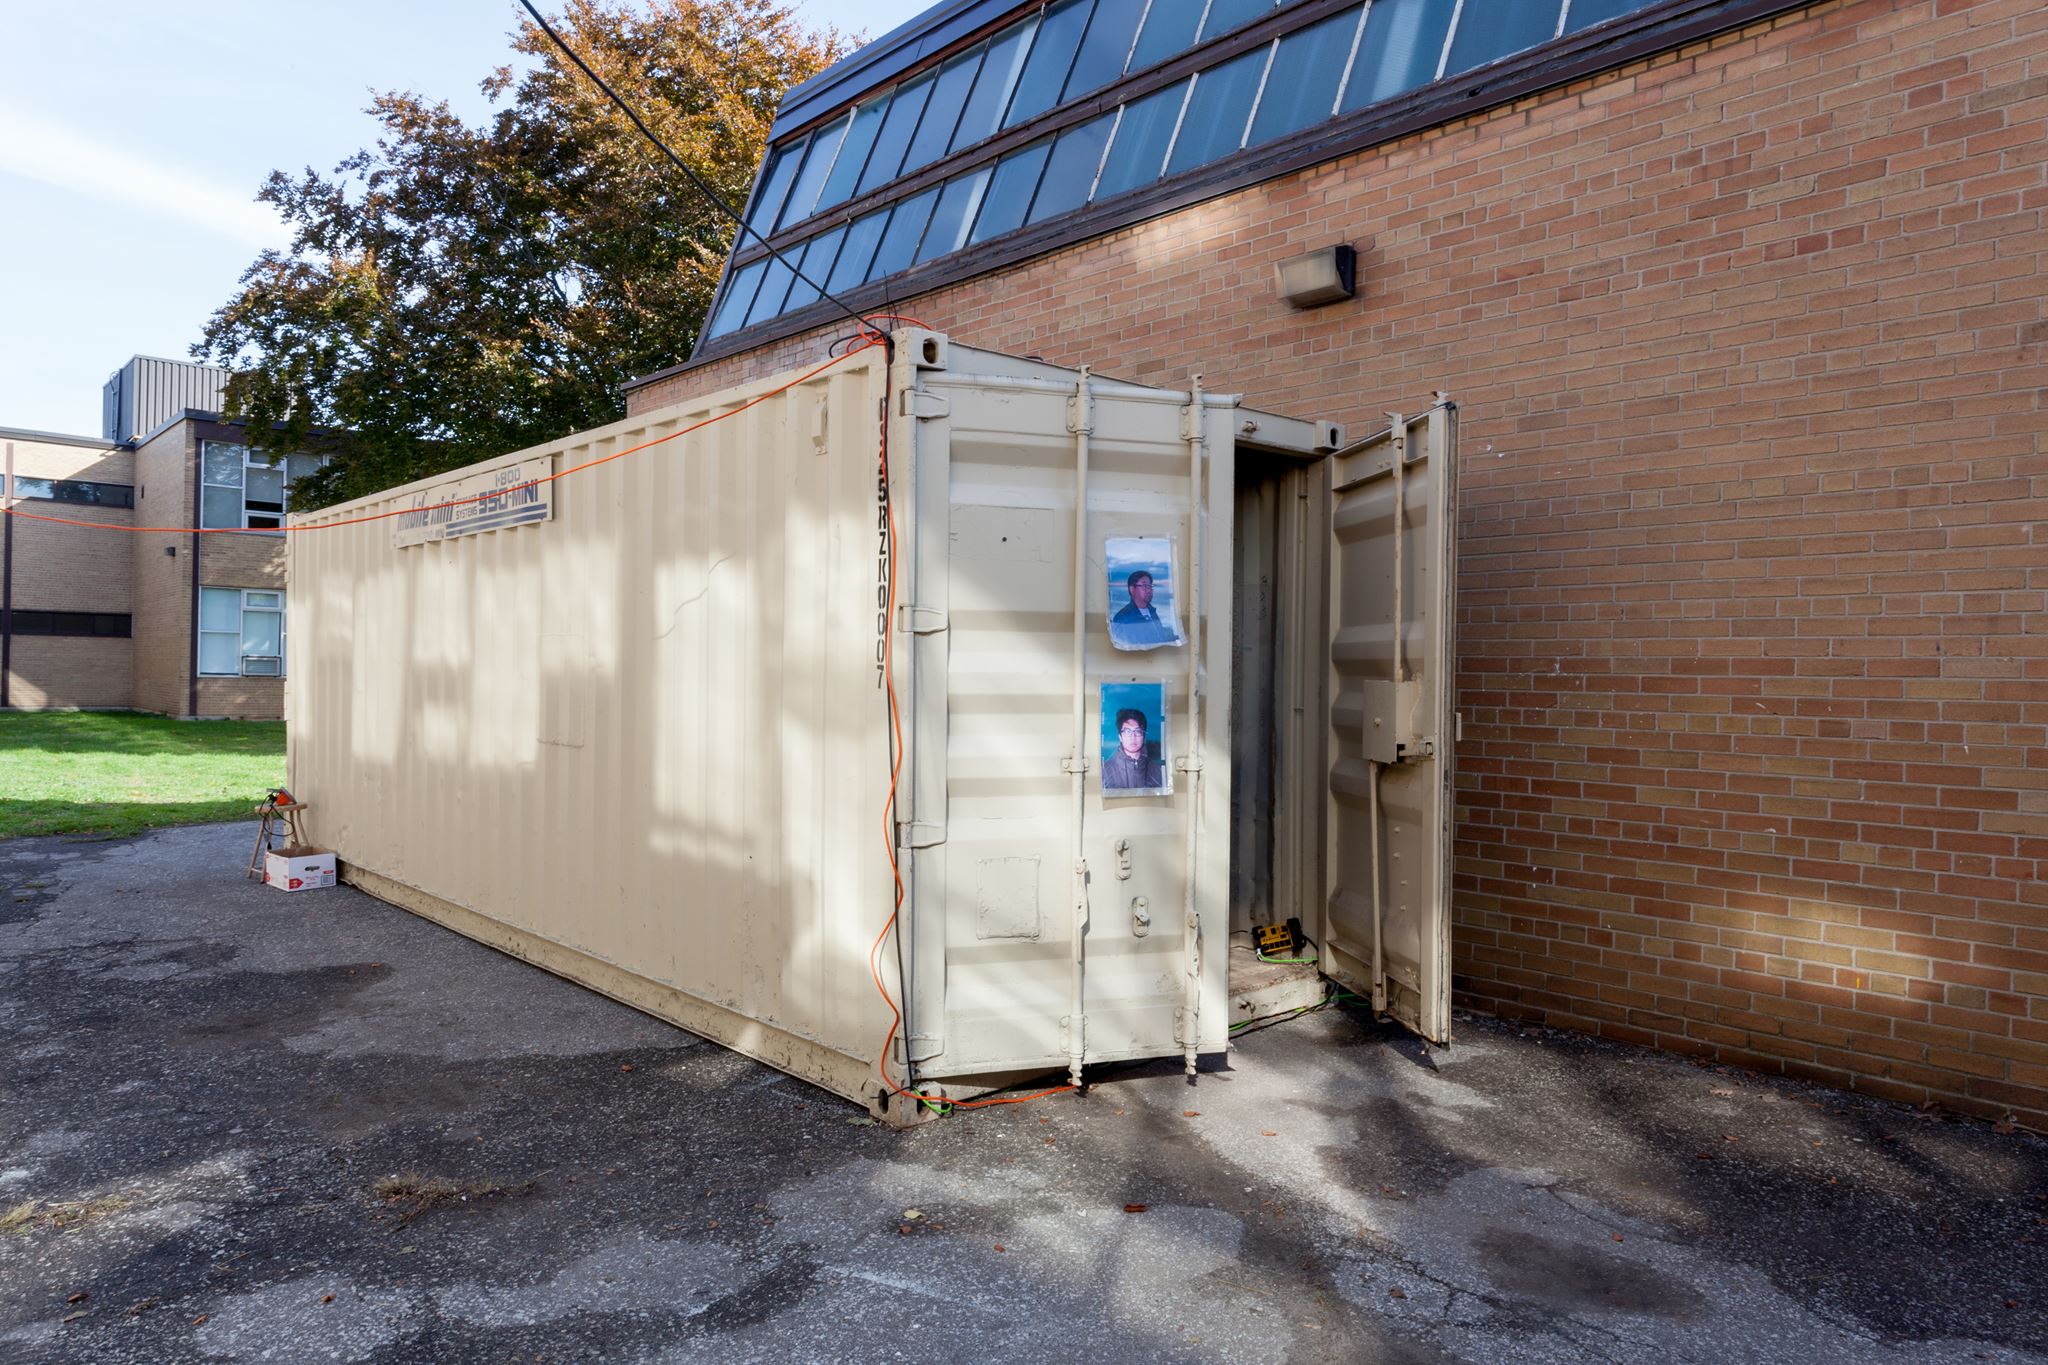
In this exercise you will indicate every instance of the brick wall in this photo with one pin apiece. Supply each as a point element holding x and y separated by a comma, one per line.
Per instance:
<point>69,568</point>
<point>163,581</point>
<point>59,672</point>
<point>1751,343</point>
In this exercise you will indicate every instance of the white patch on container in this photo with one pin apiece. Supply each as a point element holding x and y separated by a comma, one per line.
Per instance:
<point>1006,898</point>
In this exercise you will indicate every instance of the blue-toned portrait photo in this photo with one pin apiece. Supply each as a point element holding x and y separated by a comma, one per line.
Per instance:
<point>1141,593</point>
<point>1134,758</point>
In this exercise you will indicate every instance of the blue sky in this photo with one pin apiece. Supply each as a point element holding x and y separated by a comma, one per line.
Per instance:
<point>133,138</point>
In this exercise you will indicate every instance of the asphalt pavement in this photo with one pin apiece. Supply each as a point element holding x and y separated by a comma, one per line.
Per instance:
<point>238,1125</point>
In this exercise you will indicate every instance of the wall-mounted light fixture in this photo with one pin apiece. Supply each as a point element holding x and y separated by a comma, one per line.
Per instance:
<point>1315,278</point>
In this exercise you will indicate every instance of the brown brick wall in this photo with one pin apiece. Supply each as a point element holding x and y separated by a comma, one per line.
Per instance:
<point>1751,344</point>
<point>163,582</point>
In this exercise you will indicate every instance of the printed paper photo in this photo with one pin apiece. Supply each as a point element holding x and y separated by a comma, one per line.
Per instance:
<point>1141,593</point>
<point>1134,755</point>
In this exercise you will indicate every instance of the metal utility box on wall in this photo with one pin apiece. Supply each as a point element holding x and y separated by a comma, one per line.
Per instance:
<point>633,724</point>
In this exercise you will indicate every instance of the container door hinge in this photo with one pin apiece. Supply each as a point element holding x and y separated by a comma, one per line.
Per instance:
<point>1187,763</point>
<point>919,834</point>
<point>1191,421</point>
<point>1074,765</point>
<point>919,403</point>
<point>1080,415</point>
<point>1180,1025</point>
<point>920,620</point>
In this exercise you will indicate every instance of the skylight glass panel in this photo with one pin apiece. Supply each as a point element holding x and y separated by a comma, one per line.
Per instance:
<point>951,215</point>
<point>1218,111</point>
<point>900,238</point>
<point>1070,172</point>
<point>1169,31</point>
<point>1586,13</point>
<point>942,110</point>
<point>1009,192</point>
<point>984,111</point>
<point>1225,15</point>
<point>813,266</point>
<point>886,159</point>
<point>858,251</point>
<point>853,153</point>
<point>1052,56</point>
<point>1139,150</point>
<point>1308,66</point>
<point>739,296</point>
<point>782,168</point>
<point>1108,42</point>
<point>774,288</point>
<point>803,195</point>
<point>1403,42</point>
<point>1491,29</point>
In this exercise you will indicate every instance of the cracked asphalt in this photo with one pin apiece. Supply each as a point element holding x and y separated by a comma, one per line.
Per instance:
<point>203,1081</point>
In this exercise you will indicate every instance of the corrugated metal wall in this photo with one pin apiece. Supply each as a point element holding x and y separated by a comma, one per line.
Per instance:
<point>648,731</point>
<point>141,395</point>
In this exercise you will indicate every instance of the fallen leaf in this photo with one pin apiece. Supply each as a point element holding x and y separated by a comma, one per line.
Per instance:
<point>1617,1237</point>
<point>1268,1133</point>
<point>1135,1208</point>
<point>1397,1292</point>
<point>1717,1090</point>
<point>628,1066</point>
<point>2012,1303</point>
<point>1702,1156</point>
<point>1191,1113</point>
<point>903,1229</point>
<point>999,1246</point>
<point>1730,1137</point>
<point>201,1319</point>
<point>909,1215</point>
<point>74,1317</point>
<point>2005,1125</point>
<point>80,1297</point>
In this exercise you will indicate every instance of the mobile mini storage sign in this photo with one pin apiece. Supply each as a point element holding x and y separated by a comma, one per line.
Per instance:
<point>496,500</point>
<point>680,724</point>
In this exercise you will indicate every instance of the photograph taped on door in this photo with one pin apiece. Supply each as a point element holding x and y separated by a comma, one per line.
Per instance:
<point>1141,593</point>
<point>1134,753</point>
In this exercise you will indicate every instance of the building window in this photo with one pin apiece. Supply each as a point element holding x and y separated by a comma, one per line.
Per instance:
<point>75,490</point>
<point>101,625</point>
<point>241,633</point>
<point>1314,70</point>
<point>242,489</point>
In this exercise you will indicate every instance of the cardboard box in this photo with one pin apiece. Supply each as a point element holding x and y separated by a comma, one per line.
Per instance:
<point>298,869</point>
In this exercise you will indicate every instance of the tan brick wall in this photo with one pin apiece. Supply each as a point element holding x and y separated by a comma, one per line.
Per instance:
<point>162,654</point>
<point>1751,343</point>
<point>251,561</point>
<point>70,568</point>
<point>241,698</point>
<point>60,672</point>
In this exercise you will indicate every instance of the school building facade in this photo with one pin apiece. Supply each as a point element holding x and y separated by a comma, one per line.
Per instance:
<point>1744,307</point>
<point>177,622</point>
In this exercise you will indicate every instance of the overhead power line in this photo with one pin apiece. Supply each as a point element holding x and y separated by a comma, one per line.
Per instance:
<point>709,194</point>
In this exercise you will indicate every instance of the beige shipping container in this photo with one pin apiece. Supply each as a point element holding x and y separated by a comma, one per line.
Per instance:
<point>620,705</point>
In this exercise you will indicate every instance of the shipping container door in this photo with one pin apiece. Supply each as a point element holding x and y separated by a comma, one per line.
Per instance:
<point>1001,911</point>
<point>1393,515</point>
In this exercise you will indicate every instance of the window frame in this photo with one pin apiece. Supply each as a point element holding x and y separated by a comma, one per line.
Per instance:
<point>252,458</point>
<point>43,624</point>
<point>1656,27</point>
<point>56,488</point>
<point>244,608</point>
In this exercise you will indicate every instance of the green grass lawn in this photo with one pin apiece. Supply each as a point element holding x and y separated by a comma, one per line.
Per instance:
<point>107,773</point>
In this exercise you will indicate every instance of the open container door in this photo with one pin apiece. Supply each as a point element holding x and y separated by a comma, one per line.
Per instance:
<point>1393,518</point>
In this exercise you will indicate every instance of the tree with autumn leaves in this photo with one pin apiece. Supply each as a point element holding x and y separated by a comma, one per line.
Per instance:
<point>457,292</point>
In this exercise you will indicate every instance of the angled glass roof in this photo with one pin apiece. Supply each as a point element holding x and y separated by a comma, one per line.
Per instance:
<point>839,172</point>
